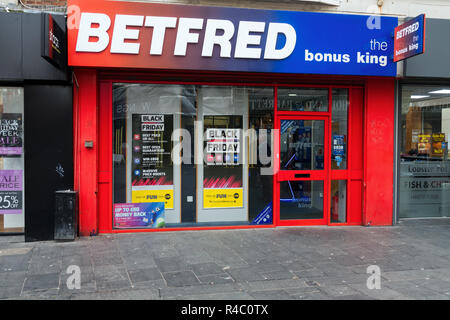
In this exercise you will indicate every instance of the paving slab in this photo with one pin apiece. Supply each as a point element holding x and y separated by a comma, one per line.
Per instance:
<point>280,263</point>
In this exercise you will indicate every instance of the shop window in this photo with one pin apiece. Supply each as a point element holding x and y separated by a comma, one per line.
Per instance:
<point>424,184</point>
<point>187,155</point>
<point>339,129</point>
<point>12,196</point>
<point>302,99</point>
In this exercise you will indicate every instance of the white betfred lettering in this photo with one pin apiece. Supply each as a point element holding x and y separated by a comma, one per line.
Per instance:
<point>86,31</point>
<point>270,51</point>
<point>121,33</point>
<point>244,39</point>
<point>184,36</point>
<point>211,37</point>
<point>159,24</point>
<point>93,36</point>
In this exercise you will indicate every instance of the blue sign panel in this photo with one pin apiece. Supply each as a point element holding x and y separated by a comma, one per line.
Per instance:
<point>230,39</point>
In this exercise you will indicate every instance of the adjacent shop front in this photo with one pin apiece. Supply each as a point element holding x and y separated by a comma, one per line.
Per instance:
<point>192,117</point>
<point>36,149</point>
<point>424,128</point>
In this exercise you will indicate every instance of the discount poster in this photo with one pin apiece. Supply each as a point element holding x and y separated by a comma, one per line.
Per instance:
<point>424,144</point>
<point>11,188</point>
<point>139,215</point>
<point>438,143</point>
<point>222,174</point>
<point>10,134</point>
<point>152,167</point>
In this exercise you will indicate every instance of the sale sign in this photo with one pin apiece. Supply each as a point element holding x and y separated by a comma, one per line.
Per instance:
<point>10,134</point>
<point>11,188</point>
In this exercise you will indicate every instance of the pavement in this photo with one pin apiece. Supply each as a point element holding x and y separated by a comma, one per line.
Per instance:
<point>263,264</point>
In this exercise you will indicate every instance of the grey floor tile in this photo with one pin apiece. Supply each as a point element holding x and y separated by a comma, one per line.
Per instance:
<point>41,282</point>
<point>113,285</point>
<point>10,292</point>
<point>12,279</point>
<point>220,296</point>
<point>271,295</point>
<point>14,263</point>
<point>244,274</point>
<point>142,275</point>
<point>216,278</point>
<point>179,292</point>
<point>171,264</point>
<point>208,268</point>
<point>180,278</point>
<point>144,294</point>
<point>339,290</point>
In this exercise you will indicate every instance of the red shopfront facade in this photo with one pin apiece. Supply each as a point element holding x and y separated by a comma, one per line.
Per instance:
<point>277,136</point>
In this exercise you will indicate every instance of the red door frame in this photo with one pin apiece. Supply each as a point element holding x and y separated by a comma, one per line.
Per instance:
<point>105,185</point>
<point>285,175</point>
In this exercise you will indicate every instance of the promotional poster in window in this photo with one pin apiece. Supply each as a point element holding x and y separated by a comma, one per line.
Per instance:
<point>10,134</point>
<point>222,173</point>
<point>151,167</point>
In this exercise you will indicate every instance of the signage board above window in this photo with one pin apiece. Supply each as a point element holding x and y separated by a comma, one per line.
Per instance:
<point>159,36</point>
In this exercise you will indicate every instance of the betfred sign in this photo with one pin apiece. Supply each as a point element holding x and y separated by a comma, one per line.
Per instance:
<point>185,34</point>
<point>119,34</point>
<point>53,41</point>
<point>409,38</point>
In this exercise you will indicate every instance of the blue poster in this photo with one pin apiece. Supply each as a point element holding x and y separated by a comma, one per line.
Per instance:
<point>265,216</point>
<point>338,145</point>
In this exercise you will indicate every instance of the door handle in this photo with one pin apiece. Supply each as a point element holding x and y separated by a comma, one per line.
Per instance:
<point>302,175</point>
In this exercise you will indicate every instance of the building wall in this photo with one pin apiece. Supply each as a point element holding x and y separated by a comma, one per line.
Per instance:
<point>403,8</point>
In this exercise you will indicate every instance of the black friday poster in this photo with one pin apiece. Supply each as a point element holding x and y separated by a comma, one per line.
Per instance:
<point>152,168</point>
<point>223,148</point>
<point>10,134</point>
<point>152,145</point>
<point>222,172</point>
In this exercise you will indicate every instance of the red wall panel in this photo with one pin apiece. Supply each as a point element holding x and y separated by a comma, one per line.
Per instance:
<point>379,151</point>
<point>85,123</point>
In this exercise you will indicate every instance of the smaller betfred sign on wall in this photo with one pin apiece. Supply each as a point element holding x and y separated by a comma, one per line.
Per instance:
<point>53,41</point>
<point>409,38</point>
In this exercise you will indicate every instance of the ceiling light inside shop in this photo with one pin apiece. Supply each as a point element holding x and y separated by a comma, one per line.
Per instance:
<point>415,96</point>
<point>442,91</point>
<point>292,94</point>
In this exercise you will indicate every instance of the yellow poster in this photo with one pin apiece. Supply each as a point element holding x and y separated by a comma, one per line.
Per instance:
<point>223,198</point>
<point>166,196</point>
<point>437,139</point>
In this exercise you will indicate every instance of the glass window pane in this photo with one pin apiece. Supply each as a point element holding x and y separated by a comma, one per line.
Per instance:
<point>301,144</point>
<point>339,133</point>
<point>12,195</point>
<point>424,165</point>
<point>203,151</point>
<point>301,200</point>
<point>338,201</point>
<point>302,99</point>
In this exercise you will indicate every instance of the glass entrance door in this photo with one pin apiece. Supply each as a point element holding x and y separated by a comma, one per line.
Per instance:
<point>303,163</point>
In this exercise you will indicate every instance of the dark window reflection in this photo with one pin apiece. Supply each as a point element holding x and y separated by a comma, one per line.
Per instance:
<point>301,144</point>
